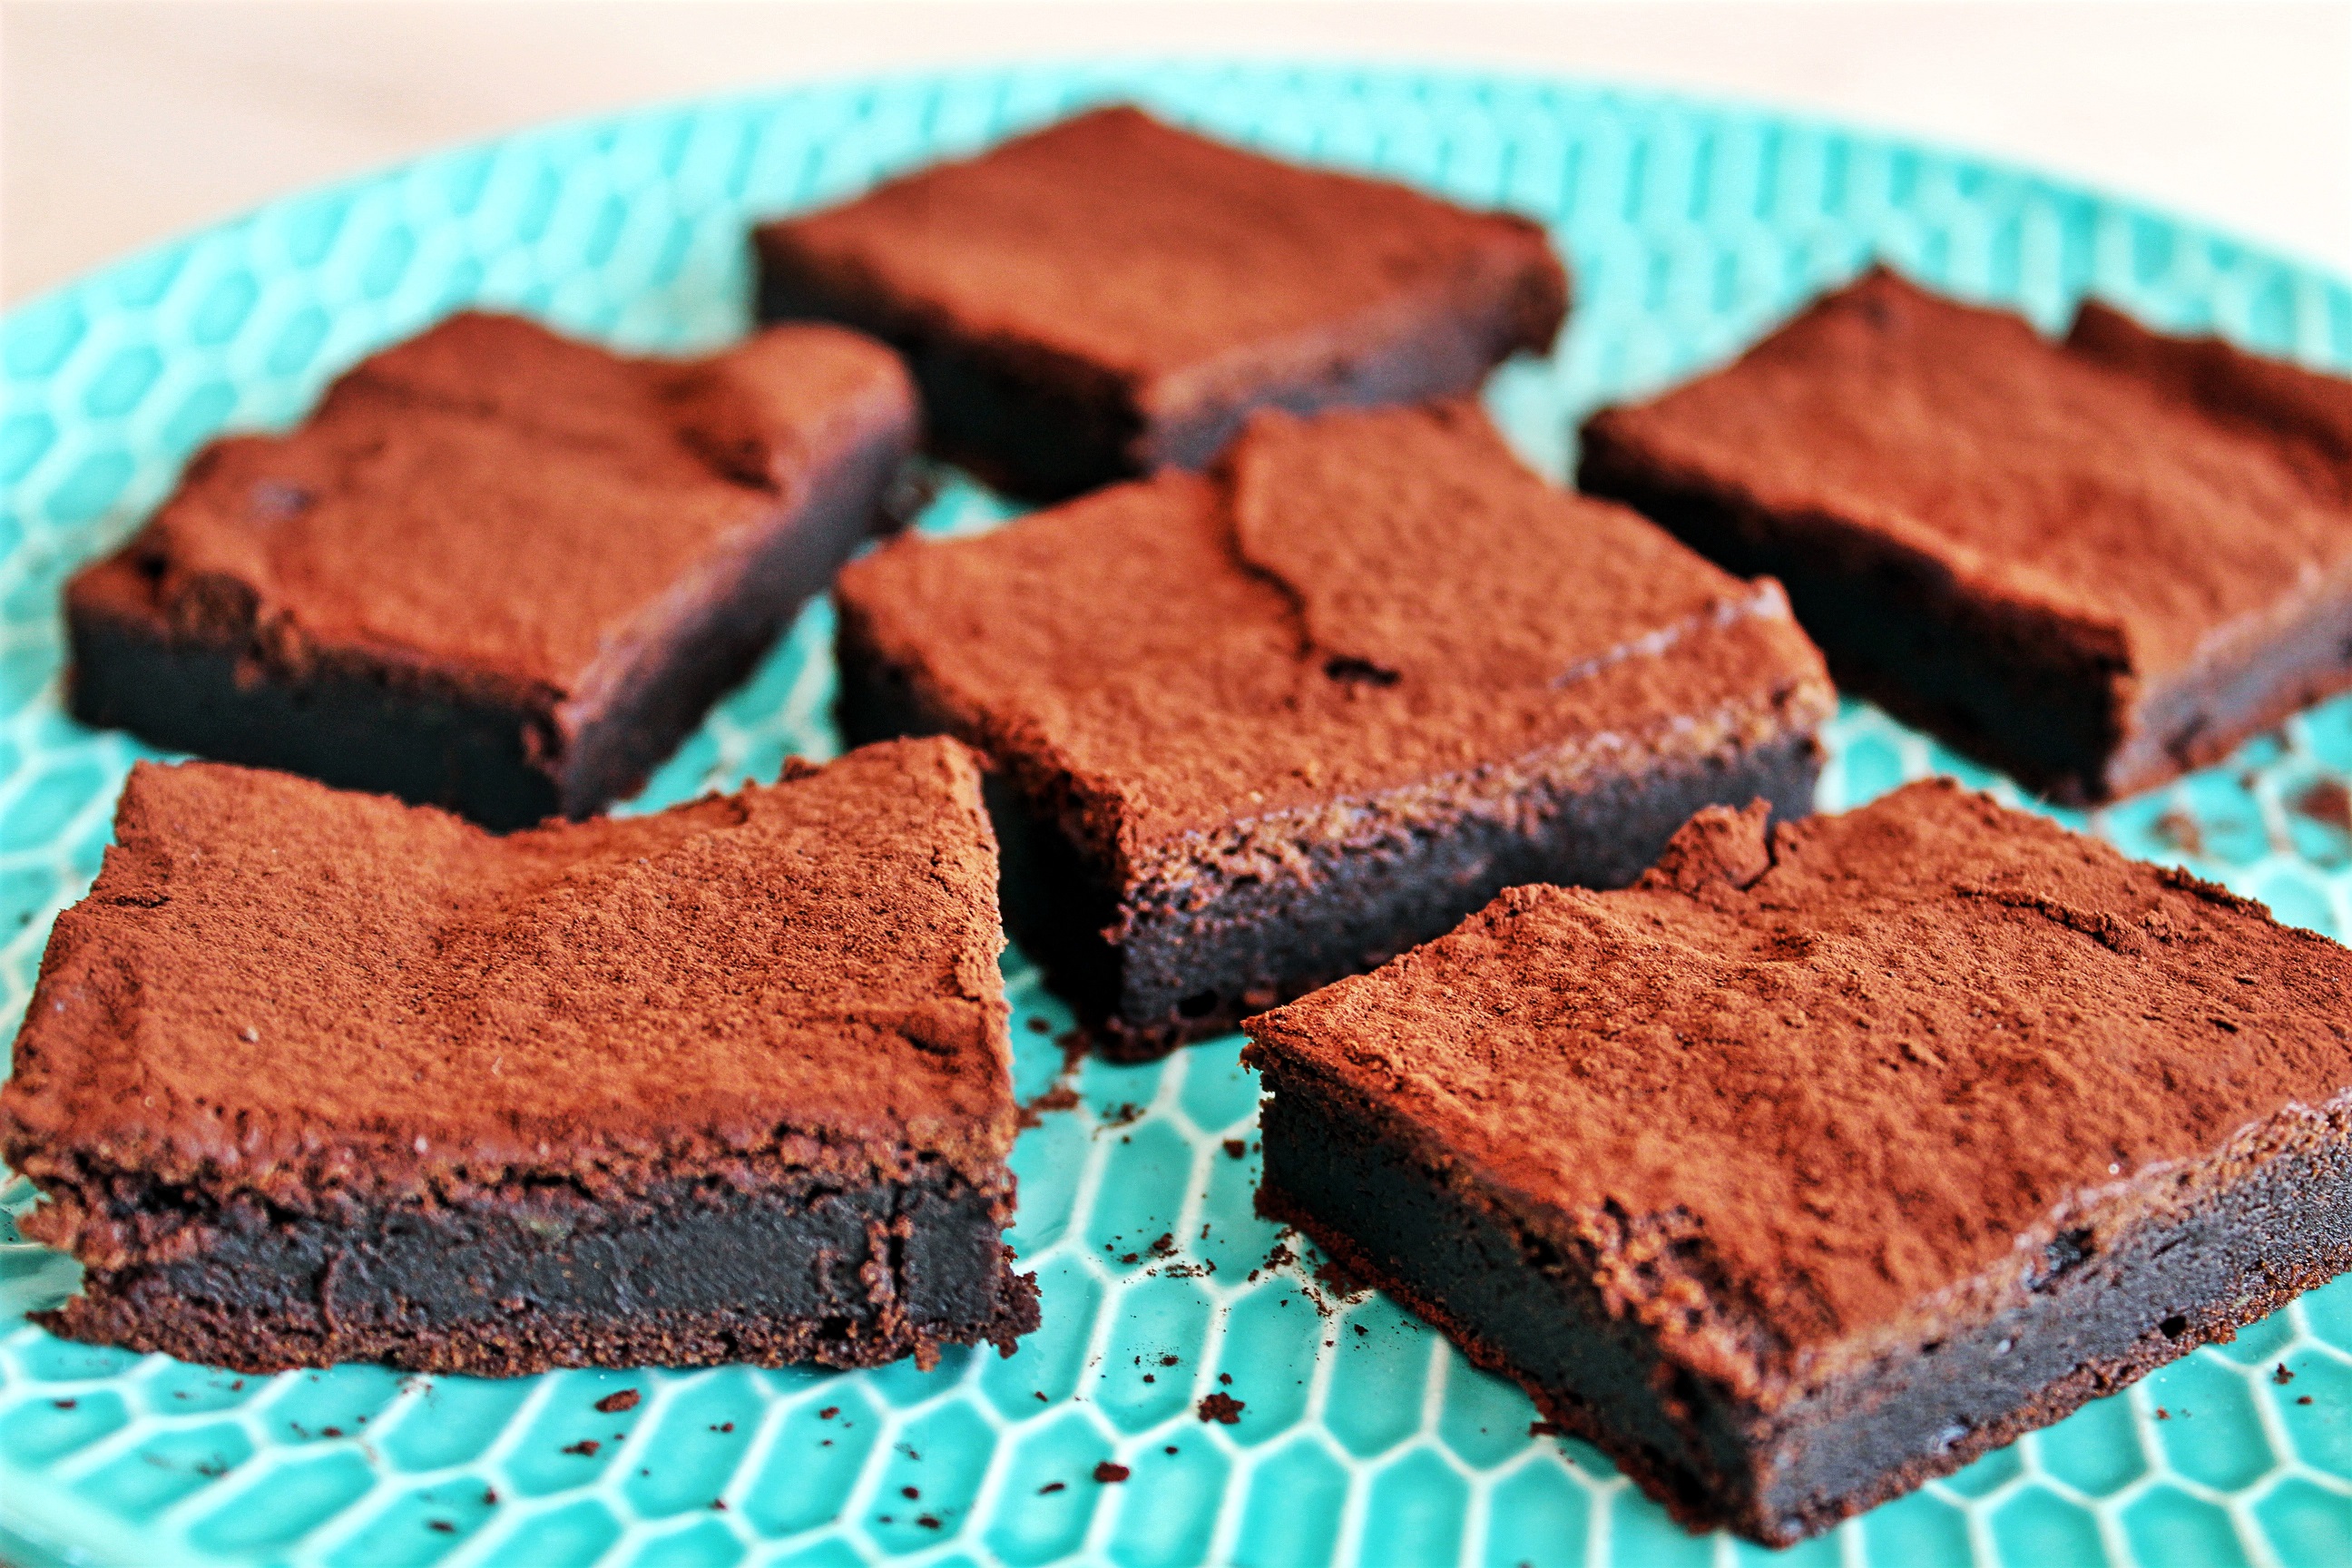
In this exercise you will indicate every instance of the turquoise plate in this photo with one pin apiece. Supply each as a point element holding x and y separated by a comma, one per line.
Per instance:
<point>1363,1437</point>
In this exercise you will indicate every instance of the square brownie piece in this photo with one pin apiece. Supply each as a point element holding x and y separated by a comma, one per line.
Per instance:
<point>1110,295</point>
<point>1264,728</point>
<point>2092,563</point>
<point>314,1076</point>
<point>1818,1163</point>
<point>496,571</point>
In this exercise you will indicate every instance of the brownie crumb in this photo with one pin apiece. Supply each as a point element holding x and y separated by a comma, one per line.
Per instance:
<point>719,1503</point>
<point>2325,801</point>
<point>1172,1361</point>
<point>2180,829</point>
<point>1037,1026</point>
<point>489,1496</point>
<point>1108,1473</point>
<point>1226,1378</point>
<point>1163,1245</point>
<point>586,1447</point>
<point>2162,1413</point>
<point>613,1404</point>
<point>1050,1488</point>
<point>331,1431</point>
<point>65,1404</point>
<point>913,1494</point>
<point>1127,1114</point>
<point>443,1525</point>
<point>1334,1276</point>
<point>1236,1148</point>
<point>2281,1376</point>
<point>1061,1096</point>
<point>1040,1397</point>
<point>2303,1399</point>
<point>927,1521</point>
<point>828,1413</point>
<point>1546,1429</point>
<point>1221,1407</point>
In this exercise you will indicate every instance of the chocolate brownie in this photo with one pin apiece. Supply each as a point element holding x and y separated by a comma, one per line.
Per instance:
<point>496,571</point>
<point>1264,728</point>
<point>1819,1161</point>
<point>315,1077</point>
<point>2092,563</point>
<point>1111,295</point>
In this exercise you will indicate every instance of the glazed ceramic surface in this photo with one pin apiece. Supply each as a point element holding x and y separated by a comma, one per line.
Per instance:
<point>1363,1438</point>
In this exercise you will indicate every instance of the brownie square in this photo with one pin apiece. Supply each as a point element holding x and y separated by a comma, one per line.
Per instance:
<point>496,571</point>
<point>2092,563</point>
<point>1110,295</point>
<point>1264,728</point>
<point>1817,1163</point>
<point>315,1077</point>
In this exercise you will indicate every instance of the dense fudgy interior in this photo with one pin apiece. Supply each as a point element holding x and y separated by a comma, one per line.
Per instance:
<point>2104,1310</point>
<point>540,1274</point>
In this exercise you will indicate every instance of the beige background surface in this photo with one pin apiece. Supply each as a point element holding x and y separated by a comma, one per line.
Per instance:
<point>123,122</point>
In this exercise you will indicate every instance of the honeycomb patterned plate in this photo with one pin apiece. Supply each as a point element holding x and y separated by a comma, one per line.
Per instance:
<point>1360,1436</point>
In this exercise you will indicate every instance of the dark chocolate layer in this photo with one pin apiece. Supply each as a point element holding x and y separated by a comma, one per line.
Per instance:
<point>1517,1305</point>
<point>853,1277</point>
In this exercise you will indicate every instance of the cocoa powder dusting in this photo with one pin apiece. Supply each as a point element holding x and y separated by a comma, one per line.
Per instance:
<point>1390,596</point>
<point>441,1000</point>
<point>1822,1093</point>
